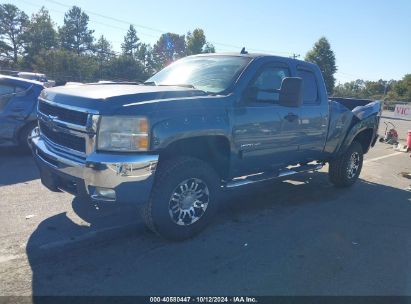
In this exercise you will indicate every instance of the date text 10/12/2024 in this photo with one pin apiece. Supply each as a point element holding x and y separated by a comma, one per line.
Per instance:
<point>237,299</point>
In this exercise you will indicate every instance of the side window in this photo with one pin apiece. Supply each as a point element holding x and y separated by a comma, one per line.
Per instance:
<point>310,86</point>
<point>268,83</point>
<point>6,89</point>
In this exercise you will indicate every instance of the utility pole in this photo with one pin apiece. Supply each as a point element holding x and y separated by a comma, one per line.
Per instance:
<point>387,84</point>
<point>295,56</point>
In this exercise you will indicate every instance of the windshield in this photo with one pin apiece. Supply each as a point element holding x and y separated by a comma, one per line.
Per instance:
<point>212,74</point>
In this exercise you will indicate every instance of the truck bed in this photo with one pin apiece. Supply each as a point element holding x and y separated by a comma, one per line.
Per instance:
<point>346,114</point>
<point>351,103</point>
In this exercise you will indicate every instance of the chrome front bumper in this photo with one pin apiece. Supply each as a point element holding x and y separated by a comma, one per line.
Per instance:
<point>129,176</point>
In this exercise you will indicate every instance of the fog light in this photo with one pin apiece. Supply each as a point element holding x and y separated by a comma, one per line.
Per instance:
<point>105,193</point>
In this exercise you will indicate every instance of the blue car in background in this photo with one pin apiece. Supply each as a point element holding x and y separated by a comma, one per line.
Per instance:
<point>18,100</point>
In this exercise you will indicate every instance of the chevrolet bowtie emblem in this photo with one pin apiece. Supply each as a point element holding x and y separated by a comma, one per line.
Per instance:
<point>51,117</point>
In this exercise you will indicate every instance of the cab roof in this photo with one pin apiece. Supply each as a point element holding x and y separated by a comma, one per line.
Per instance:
<point>255,56</point>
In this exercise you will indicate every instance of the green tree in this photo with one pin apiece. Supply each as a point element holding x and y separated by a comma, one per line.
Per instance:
<point>143,52</point>
<point>350,89</point>
<point>209,48</point>
<point>322,55</point>
<point>126,68</point>
<point>13,24</point>
<point>374,89</point>
<point>40,35</point>
<point>401,90</point>
<point>130,44</point>
<point>196,43</point>
<point>103,52</point>
<point>407,81</point>
<point>393,90</point>
<point>74,34</point>
<point>5,51</point>
<point>63,65</point>
<point>145,56</point>
<point>168,48</point>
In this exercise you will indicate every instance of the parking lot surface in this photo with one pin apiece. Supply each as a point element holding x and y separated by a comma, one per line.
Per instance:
<point>300,236</point>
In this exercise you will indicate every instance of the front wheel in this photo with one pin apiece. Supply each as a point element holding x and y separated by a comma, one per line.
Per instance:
<point>345,170</point>
<point>184,198</point>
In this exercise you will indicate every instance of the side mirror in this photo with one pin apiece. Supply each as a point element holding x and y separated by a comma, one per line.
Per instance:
<point>291,92</point>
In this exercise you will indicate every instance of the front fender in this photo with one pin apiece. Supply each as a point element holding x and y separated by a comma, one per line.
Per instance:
<point>170,130</point>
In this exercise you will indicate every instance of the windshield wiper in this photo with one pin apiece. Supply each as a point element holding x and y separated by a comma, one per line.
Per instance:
<point>105,82</point>
<point>149,83</point>
<point>184,85</point>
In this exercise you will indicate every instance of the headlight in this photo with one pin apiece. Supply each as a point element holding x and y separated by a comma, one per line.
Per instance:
<point>123,133</point>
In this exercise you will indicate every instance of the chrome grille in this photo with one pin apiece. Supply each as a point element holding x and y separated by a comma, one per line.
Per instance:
<point>71,130</point>
<point>70,116</point>
<point>63,139</point>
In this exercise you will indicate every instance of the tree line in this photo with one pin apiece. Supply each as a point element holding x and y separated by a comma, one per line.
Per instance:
<point>392,90</point>
<point>72,53</point>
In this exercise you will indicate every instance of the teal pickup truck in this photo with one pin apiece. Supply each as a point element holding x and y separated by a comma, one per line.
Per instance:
<point>203,124</point>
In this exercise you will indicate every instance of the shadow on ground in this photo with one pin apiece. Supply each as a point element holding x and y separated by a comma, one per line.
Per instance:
<point>16,166</point>
<point>299,237</point>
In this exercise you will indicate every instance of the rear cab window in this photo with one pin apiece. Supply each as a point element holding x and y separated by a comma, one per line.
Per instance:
<point>310,86</point>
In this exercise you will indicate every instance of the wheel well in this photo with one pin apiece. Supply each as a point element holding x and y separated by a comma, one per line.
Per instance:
<point>25,127</point>
<point>365,138</point>
<point>214,150</point>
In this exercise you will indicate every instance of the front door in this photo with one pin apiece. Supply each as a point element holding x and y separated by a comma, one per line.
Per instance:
<point>265,134</point>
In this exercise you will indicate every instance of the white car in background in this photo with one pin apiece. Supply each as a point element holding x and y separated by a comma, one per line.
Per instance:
<point>37,77</point>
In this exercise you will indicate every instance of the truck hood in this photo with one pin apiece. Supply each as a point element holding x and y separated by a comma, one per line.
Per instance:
<point>106,97</point>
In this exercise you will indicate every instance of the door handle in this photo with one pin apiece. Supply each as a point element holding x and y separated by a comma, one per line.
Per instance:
<point>291,117</point>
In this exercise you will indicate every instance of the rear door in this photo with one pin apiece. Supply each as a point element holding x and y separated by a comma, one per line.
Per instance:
<point>24,102</point>
<point>7,125</point>
<point>6,94</point>
<point>17,103</point>
<point>313,116</point>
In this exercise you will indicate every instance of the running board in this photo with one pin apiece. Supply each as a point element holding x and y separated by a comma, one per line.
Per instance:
<point>265,176</point>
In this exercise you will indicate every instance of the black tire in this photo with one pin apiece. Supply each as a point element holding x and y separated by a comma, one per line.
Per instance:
<point>24,135</point>
<point>339,169</point>
<point>170,174</point>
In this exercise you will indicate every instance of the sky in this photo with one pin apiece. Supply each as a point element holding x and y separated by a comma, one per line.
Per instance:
<point>371,39</point>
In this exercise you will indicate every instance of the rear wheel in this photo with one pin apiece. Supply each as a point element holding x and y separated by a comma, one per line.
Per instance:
<point>345,170</point>
<point>184,198</point>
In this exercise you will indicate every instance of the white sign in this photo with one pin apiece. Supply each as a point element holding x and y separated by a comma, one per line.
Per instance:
<point>402,110</point>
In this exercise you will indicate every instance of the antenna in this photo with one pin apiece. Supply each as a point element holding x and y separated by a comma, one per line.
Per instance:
<point>243,51</point>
